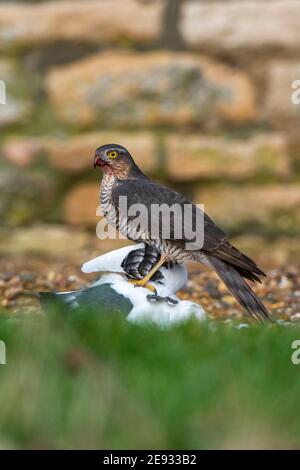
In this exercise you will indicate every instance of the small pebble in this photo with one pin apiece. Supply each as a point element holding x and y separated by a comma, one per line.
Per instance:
<point>14,281</point>
<point>13,292</point>
<point>284,283</point>
<point>280,290</point>
<point>229,299</point>
<point>295,317</point>
<point>28,277</point>
<point>4,303</point>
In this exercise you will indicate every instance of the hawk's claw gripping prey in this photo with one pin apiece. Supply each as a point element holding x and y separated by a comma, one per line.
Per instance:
<point>110,293</point>
<point>159,298</point>
<point>141,283</point>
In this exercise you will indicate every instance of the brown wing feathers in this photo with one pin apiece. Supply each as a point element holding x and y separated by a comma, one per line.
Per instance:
<point>244,265</point>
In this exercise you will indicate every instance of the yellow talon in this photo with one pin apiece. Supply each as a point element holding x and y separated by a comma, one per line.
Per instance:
<point>141,283</point>
<point>144,282</point>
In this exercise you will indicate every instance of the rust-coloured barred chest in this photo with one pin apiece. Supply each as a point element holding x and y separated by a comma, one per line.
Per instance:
<point>129,229</point>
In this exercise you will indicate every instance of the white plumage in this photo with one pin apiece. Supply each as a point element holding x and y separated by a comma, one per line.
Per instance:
<point>113,293</point>
<point>162,312</point>
<point>109,262</point>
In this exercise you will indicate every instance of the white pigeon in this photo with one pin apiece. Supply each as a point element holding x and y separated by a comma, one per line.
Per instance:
<point>113,293</point>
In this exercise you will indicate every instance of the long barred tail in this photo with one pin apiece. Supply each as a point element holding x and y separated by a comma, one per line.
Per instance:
<point>240,290</point>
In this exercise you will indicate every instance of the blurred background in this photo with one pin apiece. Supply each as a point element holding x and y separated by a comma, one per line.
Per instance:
<point>199,91</point>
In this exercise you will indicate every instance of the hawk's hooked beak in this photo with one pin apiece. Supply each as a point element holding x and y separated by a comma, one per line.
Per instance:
<point>97,161</point>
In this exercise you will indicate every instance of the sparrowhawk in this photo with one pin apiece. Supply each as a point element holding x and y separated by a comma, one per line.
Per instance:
<point>123,178</point>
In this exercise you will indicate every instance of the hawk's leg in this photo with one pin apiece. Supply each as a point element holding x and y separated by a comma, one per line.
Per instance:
<point>144,282</point>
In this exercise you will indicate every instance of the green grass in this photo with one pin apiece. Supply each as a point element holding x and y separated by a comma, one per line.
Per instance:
<point>91,381</point>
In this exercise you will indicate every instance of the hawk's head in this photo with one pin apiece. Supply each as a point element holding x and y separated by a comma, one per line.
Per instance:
<point>114,158</point>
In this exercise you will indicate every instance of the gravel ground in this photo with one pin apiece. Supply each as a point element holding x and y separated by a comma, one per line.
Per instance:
<point>20,278</point>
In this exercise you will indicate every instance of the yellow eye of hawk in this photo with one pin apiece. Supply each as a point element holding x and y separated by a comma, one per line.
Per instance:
<point>113,154</point>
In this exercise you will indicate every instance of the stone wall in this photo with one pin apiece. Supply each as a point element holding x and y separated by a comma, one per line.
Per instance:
<point>199,91</point>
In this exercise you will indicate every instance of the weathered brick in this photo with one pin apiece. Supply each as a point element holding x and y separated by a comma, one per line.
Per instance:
<point>160,88</point>
<point>81,203</point>
<point>191,157</point>
<point>95,21</point>
<point>250,26</point>
<point>279,107</point>
<point>271,208</point>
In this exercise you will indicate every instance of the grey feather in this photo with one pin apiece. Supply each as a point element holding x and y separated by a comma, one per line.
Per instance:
<point>98,298</point>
